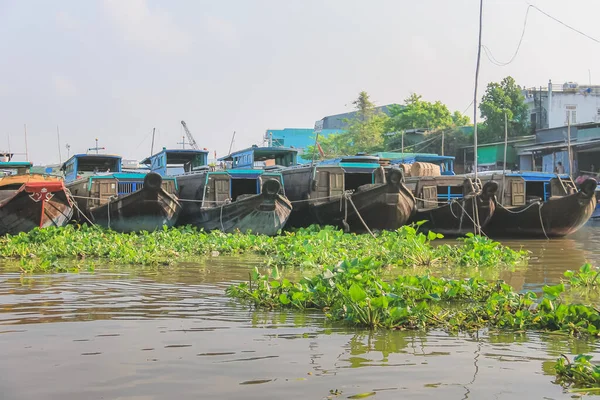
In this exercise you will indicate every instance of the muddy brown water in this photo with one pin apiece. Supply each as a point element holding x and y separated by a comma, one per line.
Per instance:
<point>171,333</point>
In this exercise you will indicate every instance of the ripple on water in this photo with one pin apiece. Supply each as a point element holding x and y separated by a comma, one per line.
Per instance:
<point>171,332</point>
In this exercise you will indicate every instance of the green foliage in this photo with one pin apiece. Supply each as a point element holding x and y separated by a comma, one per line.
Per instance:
<point>500,98</point>
<point>355,292</point>
<point>364,132</point>
<point>420,114</point>
<point>51,249</point>
<point>586,277</point>
<point>581,373</point>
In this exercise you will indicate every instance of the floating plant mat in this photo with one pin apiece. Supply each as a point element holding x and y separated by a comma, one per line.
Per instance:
<point>48,249</point>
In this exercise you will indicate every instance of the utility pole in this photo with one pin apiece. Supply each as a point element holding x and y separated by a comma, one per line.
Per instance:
<point>402,146</point>
<point>505,147</point>
<point>443,133</point>
<point>569,143</point>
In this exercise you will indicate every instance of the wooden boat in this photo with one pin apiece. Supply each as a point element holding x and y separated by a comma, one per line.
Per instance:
<point>448,203</point>
<point>349,192</point>
<point>244,197</point>
<point>539,204</point>
<point>451,205</point>
<point>29,201</point>
<point>124,202</point>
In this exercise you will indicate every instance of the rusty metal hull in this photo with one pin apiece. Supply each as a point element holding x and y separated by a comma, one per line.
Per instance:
<point>262,214</point>
<point>35,205</point>
<point>554,218</point>
<point>147,209</point>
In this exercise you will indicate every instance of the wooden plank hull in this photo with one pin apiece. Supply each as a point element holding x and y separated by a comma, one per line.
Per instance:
<point>147,209</point>
<point>557,217</point>
<point>35,205</point>
<point>456,218</point>
<point>385,206</point>
<point>144,210</point>
<point>262,214</point>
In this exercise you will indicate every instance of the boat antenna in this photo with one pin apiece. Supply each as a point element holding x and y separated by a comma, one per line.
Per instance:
<point>58,138</point>
<point>232,141</point>
<point>152,145</point>
<point>26,147</point>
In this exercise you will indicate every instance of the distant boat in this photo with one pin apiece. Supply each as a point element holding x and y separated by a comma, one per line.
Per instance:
<point>29,201</point>
<point>121,201</point>
<point>354,192</point>
<point>539,204</point>
<point>246,196</point>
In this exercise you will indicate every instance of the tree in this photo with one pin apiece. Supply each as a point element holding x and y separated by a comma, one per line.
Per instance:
<point>420,114</point>
<point>367,127</point>
<point>364,132</point>
<point>500,98</point>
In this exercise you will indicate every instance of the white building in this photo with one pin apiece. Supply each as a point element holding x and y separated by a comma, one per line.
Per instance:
<point>551,107</point>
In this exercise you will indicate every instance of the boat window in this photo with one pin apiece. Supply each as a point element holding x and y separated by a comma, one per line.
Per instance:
<point>97,164</point>
<point>243,186</point>
<point>537,191</point>
<point>354,180</point>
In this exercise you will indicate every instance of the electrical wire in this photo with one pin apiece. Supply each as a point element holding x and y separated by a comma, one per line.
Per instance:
<point>495,61</point>
<point>491,57</point>
<point>564,24</point>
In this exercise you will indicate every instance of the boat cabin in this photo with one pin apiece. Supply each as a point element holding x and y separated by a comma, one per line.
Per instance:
<point>99,177</point>
<point>521,188</point>
<point>445,163</point>
<point>230,185</point>
<point>86,165</point>
<point>435,191</point>
<point>177,161</point>
<point>261,158</point>
<point>9,168</point>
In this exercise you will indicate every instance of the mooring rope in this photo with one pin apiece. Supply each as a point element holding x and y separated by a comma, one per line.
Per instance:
<point>349,198</point>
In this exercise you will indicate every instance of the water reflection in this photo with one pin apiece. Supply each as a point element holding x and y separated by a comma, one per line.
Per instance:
<point>155,333</point>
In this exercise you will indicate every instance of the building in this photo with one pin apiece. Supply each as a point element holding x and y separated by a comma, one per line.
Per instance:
<point>339,121</point>
<point>490,156</point>
<point>552,146</point>
<point>552,106</point>
<point>298,138</point>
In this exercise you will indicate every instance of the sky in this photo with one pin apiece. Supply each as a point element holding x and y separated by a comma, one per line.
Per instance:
<point>116,69</point>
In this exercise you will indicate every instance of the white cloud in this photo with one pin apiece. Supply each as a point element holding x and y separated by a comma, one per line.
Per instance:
<point>64,86</point>
<point>66,21</point>
<point>220,29</point>
<point>153,29</point>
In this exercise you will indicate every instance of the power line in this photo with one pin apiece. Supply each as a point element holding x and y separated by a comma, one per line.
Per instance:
<point>491,57</point>
<point>495,61</point>
<point>564,24</point>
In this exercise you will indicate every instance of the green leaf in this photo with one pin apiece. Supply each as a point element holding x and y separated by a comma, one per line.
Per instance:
<point>283,299</point>
<point>357,294</point>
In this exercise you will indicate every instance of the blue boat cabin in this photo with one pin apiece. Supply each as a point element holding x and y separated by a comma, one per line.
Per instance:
<point>246,170</point>
<point>100,178</point>
<point>8,168</point>
<point>175,162</point>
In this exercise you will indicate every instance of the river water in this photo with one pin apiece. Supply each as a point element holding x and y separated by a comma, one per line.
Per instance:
<point>171,333</point>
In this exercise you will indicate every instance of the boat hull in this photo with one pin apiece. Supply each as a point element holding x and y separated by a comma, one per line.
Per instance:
<point>261,214</point>
<point>385,206</point>
<point>456,218</point>
<point>35,205</point>
<point>147,209</point>
<point>557,217</point>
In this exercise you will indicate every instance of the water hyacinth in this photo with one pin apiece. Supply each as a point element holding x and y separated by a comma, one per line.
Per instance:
<point>48,249</point>
<point>355,292</point>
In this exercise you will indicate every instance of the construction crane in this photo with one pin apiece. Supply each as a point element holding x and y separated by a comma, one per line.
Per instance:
<point>190,137</point>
